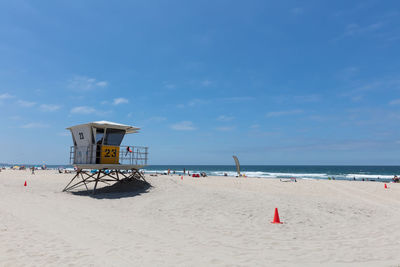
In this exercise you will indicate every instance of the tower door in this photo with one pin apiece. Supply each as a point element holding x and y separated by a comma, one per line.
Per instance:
<point>84,148</point>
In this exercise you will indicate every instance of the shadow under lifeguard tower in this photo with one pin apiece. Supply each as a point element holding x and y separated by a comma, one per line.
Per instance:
<point>98,155</point>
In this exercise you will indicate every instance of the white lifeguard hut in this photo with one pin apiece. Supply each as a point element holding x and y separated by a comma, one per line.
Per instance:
<point>98,155</point>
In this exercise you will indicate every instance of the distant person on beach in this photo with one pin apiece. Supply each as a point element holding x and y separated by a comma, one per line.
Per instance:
<point>396,179</point>
<point>184,171</point>
<point>169,171</point>
<point>33,170</point>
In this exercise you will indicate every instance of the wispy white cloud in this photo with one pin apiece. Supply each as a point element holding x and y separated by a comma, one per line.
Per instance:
<point>169,85</point>
<point>183,126</point>
<point>197,102</point>
<point>49,107</point>
<point>16,118</point>
<point>83,110</point>
<point>395,102</point>
<point>85,83</point>
<point>5,96</point>
<point>370,115</point>
<point>206,83</point>
<point>237,99</point>
<point>351,70</point>
<point>348,73</point>
<point>297,10</point>
<point>375,85</point>
<point>102,84</point>
<point>283,113</point>
<point>225,118</point>
<point>34,125</point>
<point>307,98</point>
<point>226,128</point>
<point>26,104</point>
<point>360,89</point>
<point>355,9</point>
<point>320,118</point>
<point>194,103</point>
<point>311,98</point>
<point>201,102</point>
<point>354,30</point>
<point>158,119</point>
<point>65,133</point>
<point>120,100</point>
<point>256,132</point>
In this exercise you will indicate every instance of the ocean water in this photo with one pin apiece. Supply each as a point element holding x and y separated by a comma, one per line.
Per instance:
<point>370,173</point>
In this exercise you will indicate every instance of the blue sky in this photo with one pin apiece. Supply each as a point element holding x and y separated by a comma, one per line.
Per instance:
<point>274,82</point>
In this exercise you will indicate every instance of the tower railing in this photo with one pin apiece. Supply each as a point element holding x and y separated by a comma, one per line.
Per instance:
<point>104,154</point>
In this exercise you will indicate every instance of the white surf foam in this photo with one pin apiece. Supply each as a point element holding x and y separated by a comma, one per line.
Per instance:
<point>368,176</point>
<point>260,174</point>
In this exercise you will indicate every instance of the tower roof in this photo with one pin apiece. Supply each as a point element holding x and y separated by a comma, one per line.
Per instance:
<point>108,124</point>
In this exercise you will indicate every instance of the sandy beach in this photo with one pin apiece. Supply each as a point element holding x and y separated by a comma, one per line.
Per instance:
<point>213,221</point>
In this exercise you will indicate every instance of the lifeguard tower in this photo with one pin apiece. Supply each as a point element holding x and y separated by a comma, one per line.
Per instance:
<point>98,156</point>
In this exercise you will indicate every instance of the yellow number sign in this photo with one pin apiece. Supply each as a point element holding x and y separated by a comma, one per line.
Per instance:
<point>109,155</point>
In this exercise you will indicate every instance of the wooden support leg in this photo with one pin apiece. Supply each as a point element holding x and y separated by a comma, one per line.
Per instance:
<point>83,180</point>
<point>71,181</point>
<point>142,176</point>
<point>97,180</point>
<point>104,176</point>
<point>137,175</point>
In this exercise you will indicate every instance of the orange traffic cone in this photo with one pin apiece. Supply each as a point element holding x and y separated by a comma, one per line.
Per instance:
<point>385,186</point>
<point>276,217</point>
<point>25,183</point>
